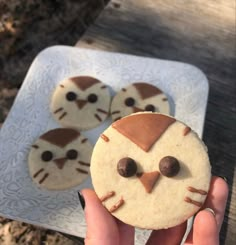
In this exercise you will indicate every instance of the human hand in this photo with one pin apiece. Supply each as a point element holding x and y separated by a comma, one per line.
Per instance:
<point>105,229</point>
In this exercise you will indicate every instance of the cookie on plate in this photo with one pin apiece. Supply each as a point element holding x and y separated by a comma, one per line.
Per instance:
<point>139,97</point>
<point>82,102</point>
<point>60,159</point>
<point>150,170</point>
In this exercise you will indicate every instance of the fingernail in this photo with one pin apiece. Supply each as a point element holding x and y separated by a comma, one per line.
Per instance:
<point>81,199</point>
<point>211,211</point>
<point>224,178</point>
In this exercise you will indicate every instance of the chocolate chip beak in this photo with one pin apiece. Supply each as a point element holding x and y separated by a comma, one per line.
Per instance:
<point>148,180</point>
<point>60,162</point>
<point>136,109</point>
<point>81,103</point>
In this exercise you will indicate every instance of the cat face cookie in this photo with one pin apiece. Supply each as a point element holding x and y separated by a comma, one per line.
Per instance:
<point>150,170</point>
<point>60,159</point>
<point>82,102</point>
<point>139,97</point>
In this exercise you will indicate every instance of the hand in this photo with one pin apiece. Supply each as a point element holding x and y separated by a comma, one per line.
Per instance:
<point>104,229</point>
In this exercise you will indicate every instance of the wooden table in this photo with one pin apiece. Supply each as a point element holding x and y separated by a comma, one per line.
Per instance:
<point>201,33</point>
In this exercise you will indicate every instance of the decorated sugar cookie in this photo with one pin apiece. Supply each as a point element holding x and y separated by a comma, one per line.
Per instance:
<point>60,159</point>
<point>82,102</point>
<point>139,97</point>
<point>150,170</point>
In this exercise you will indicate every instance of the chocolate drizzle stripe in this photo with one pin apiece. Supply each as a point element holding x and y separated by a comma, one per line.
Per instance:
<point>35,146</point>
<point>84,140</point>
<point>123,89</point>
<point>104,137</point>
<point>189,200</point>
<point>63,115</point>
<point>102,111</point>
<point>58,110</point>
<point>115,112</point>
<point>84,163</point>
<point>44,177</point>
<point>82,171</point>
<point>164,99</point>
<point>98,117</point>
<point>192,189</point>
<point>62,86</point>
<point>104,86</point>
<point>107,196</point>
<point>117,205</point>
<point>37,173</point>
<point>118,118</point>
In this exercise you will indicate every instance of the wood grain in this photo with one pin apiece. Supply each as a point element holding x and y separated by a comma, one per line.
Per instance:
<point>201,33</point>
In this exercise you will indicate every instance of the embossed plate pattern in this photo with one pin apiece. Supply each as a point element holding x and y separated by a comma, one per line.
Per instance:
<point>185,85</point>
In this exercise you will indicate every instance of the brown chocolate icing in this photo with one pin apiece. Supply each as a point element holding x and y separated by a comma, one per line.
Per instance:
<point>146,90</point>
<point>102,111</point>
<point>84,82</point>
<point>186,131</point>
<point>84,163</point>
<point>148,180</point>
<point>35,146</point>
<point>60,136</point>
<point>189,200</point>
<point>107,196</point>
<point>84,140</point>
<point>117,205</point>
<point>60,162</point>
<point>58,110</point>
<point>143,129</point>
<point>104,137</point>
<point>192,189</point>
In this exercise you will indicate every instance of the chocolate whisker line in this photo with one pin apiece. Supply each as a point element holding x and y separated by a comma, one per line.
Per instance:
<point>114,112</point>
<point>63,115</point>
<point>58,110</point>
<point>98,117</point>
<point>192,189</point>
<point>84,140</point>
<point>38,172</point>
<point>107,196</point>
<point>84,163</point>
<point>102,111</point>
<point>189,200</point>
<point>118,118</point>
<point>35,146</point>
<point>117,205</point>
<point>44,178</point>
<point>81,171</point>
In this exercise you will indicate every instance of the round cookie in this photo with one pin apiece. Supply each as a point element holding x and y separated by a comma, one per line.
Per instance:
<point>139,97</point>
<point>82,102</point>
<point>150,170</point>
<point>60,159</point>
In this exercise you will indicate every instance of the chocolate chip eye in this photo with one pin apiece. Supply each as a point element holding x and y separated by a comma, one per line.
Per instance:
<point>47,156</point>
<point>169,166</point>
<point>92,98</point>
<point>71,96</point>
<point>72,154</point>
<point>126,167</point>
<point>129,101</point>
<point>150,108</point>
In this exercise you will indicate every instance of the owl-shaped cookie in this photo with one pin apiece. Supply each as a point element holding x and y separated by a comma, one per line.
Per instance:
<point>139,97</point>
<point>150,170</point>
<point>60,159</point>
<point>81,102</point>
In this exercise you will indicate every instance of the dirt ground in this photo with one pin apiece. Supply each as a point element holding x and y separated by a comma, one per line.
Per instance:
<point>27,27</point>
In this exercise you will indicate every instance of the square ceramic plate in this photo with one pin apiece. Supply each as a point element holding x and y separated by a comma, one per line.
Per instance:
<point>185,85</point>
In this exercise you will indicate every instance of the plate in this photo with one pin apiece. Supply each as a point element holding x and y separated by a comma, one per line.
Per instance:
<point>185,85</point>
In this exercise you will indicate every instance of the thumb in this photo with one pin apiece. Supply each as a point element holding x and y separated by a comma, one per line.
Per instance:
<point>205,231</point>
<point>101,226</point>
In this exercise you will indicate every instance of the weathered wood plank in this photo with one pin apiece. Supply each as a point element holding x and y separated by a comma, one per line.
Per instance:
<point>198,32</point>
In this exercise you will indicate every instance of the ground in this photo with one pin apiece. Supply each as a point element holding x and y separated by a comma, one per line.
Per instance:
<point>27,27</point>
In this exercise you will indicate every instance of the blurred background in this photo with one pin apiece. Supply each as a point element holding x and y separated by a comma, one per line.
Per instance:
<point>26,28</point>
